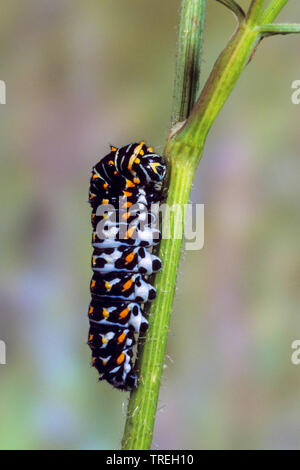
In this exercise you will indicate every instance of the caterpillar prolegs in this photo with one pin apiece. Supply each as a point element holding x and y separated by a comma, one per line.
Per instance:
<point>124,186</point>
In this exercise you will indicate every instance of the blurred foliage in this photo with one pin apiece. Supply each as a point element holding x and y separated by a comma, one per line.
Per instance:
<point>81,75</point>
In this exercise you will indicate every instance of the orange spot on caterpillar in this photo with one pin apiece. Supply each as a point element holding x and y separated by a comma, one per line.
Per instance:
<point>126,216</point>
<point>105,313</point>
<point>121,358</point>
<point>121,338</point>
<point>129,258</point>
<point>124,313</point>
<point>127,285</point>
<point>129,232</point>
<point>129,184</point>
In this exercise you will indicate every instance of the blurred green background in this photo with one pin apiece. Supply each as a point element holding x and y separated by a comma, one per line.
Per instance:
<point>81,75</point>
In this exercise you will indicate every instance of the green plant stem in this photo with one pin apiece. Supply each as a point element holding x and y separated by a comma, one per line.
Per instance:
<point>273,10</point>
<point>188,61</point>
<point>255,11</point>
<point>284,28</point>
<point>189,141</point>
<point>143,402</point>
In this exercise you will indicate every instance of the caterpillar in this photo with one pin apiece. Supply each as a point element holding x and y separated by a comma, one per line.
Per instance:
<point>124,186</point>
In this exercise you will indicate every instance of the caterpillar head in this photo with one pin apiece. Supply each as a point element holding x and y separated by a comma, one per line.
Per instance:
<point>139,164</point>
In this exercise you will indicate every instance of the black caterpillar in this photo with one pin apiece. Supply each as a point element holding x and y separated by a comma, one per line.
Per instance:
<point>123,187</point>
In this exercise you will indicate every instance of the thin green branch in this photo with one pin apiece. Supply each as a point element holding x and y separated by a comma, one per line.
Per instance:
<point>235,8</point>
<point>187,71</point>
<point>255,11</point>
<point>284,28</point>
<point>188,142</point>
<point>273,10</point>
